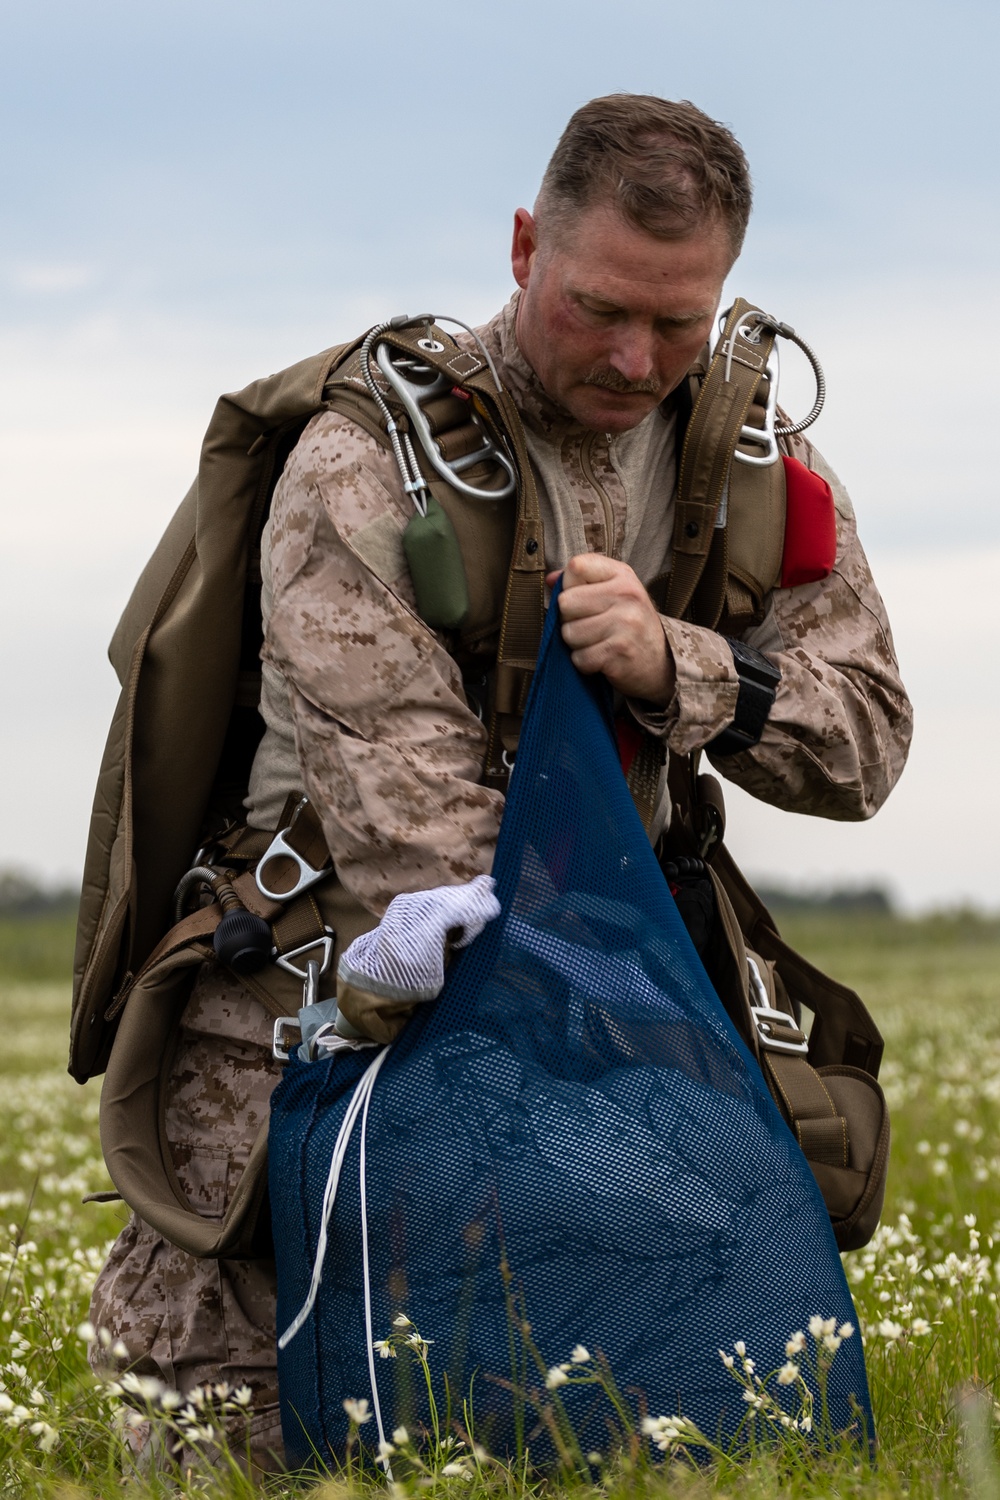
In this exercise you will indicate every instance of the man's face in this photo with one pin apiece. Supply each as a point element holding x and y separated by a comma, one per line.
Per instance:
<point>611,318</point>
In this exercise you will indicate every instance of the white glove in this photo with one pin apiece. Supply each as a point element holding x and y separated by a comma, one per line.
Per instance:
<point>403,957</point>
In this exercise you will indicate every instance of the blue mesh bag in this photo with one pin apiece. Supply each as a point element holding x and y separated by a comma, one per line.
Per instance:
<point>574,1133</point>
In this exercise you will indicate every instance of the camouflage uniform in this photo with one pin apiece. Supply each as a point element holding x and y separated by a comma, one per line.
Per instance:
<point>366,713</point>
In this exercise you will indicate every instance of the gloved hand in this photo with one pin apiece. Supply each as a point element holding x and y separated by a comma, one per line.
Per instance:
<point>384,973</point>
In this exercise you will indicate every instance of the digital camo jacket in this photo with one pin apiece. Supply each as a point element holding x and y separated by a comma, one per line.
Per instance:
<point>365,707</point>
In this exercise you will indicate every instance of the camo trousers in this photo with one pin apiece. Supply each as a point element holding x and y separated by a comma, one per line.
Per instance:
<point>187,1321</point>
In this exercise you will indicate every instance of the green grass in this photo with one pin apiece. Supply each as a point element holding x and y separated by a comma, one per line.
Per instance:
<point>933,987</point>
<point>37,948</point>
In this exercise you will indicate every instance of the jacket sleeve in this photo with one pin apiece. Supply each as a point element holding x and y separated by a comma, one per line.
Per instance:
<point>389,751</point>
<point>837,736</point>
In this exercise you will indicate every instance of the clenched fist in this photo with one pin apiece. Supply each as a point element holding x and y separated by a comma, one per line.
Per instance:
<point>610,626</point>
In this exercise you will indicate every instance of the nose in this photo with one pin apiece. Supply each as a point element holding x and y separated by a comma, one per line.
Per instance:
<point>632,353</point>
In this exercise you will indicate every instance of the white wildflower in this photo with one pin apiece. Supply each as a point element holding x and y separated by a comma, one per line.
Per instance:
<point>47,1436</point>
<point>104,1338</point>
<point>385,1448</point>
<point>358,1412</point>
<point>119,1350</point>
<point>580,1354</point>
<point>456,1471</point>
<point>727,1359</point>
<point>556,1377</point>
<point>816,1326</point>
<point>788,1373</point>
<point>87,1332</point>
<point>740,1348</point>
<point>144,1386</point>
<point>37,1397</point>
<point>795,1344</point>
<point>400,1437</point>
<point>831,1342</point>
<point>147,1387</point>
<point>887,1329</point>
<point>170,1400</point>
<point>594,1458</point>
<point>401,1321</point>
<point>845,1330</point>
<point>243,1395</point>
<point>920,1326</point>
<point>419,1344</point>
<point>6,1404</point>
<point>664,1431</point>
<point>806,1422</point>
<point>383,1348</point>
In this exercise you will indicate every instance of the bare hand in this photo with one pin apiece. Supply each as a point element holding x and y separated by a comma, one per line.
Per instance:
<point>610,626</point>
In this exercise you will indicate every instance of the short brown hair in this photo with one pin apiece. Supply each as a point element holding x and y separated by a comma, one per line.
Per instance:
<point>664,166</point>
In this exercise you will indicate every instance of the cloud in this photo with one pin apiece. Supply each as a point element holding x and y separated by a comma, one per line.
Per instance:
<point>51,279</point>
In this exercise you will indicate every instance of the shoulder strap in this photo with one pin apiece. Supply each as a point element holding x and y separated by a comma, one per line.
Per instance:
<point>519,570</point>
<point>709,573</point>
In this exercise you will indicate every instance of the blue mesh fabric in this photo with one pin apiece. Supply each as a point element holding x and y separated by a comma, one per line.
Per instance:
<point>577,1106</point>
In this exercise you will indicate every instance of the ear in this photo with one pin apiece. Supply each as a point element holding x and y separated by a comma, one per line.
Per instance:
<point>523,246</point>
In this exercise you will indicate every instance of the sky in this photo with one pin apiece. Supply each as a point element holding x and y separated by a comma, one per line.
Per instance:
<point>196,193</point>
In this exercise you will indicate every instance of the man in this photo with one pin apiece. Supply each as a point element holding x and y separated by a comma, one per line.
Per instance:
<point>620,270</point>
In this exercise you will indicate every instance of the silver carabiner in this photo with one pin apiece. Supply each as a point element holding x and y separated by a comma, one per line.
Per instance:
<point>764,437</point>
<point>413,393</point>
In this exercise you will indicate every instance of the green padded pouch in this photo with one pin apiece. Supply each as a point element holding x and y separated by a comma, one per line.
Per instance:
<point>436,567</point>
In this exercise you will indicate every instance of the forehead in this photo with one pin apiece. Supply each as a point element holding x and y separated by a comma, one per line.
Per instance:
<point>597,253</point>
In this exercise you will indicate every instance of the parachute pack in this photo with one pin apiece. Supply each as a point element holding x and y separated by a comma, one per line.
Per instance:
<point>187,726</point>
<point>573,1137</point>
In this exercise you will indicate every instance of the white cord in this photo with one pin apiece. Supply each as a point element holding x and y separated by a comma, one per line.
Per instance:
<point>359,1103</point>
<point>362,1182</point>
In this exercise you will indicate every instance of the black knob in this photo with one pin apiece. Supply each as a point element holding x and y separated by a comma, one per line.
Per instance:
<point>242,941</point>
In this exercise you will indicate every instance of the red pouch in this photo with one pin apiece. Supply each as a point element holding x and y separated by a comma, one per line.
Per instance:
<point>810,526</point>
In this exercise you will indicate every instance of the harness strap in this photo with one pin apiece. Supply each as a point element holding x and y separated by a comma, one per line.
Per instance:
<point>804,1101</point>
<point>643,776</point>
<point>524,600</point>
<point>712,435</point>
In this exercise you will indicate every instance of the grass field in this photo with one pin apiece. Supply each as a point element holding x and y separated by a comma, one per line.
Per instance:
<point>926,1288</point>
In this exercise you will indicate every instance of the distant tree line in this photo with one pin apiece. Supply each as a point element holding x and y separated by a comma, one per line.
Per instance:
<point>21,895</point>
<point>871,899</point>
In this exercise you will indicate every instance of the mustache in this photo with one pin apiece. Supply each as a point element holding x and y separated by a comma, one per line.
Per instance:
<point>612,380</point>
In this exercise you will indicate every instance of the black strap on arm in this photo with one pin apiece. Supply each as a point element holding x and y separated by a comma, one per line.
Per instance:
<point>759,680</point>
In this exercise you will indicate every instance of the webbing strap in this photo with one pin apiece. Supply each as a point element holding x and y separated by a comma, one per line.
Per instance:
<point>712,435</point>
<point>643,776</point>
<point>523,610</point>
<point>820,1130</point>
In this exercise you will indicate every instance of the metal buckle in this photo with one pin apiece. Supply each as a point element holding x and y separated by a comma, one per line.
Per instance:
<point>765,1018</point>
<point>279,846</point>
<point>279,1047</point>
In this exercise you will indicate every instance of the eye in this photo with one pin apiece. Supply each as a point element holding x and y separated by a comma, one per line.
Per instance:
<point>596,310</point>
